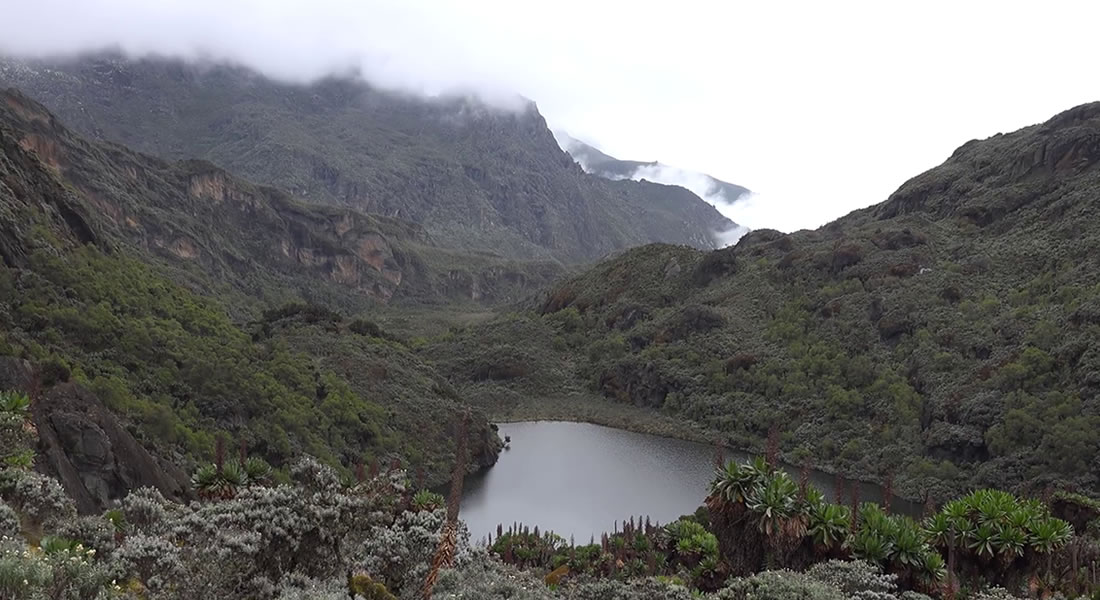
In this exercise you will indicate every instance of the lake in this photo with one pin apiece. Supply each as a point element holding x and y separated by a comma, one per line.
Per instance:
<point>577,479</point>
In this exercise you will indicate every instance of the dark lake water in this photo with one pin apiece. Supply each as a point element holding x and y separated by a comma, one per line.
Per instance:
<point>578,479</point>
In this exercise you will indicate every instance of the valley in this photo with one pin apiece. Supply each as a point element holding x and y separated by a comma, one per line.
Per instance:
<point>253,319</point>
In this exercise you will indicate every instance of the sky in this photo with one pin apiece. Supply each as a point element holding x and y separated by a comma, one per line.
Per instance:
<point>818,107</point>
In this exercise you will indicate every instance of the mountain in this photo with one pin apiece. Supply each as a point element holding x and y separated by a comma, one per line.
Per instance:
<point>474,177</point>
<point>258,241</point>
<point>596,162</point>
<point>945,339</point>
<point>154,307</point>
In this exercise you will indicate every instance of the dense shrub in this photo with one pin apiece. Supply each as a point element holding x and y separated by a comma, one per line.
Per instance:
<point>173,364</point>
<point>9,521</point>
<point>65,573</point>
<point>779,585</point>
<point>400,553</point>
<point>37,496</point>
<point>485,578</point>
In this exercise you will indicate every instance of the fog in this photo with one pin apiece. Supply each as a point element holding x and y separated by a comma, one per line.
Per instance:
<point>819,108</point>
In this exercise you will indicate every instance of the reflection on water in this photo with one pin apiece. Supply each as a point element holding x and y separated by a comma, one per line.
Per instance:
<point>577,479</point>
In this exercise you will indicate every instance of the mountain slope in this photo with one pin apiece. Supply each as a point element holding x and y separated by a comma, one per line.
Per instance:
<point>220,232</point>
<point>949,336</point>
<point>115,273</point>
<point>595,161</point>
<point>474,178</point>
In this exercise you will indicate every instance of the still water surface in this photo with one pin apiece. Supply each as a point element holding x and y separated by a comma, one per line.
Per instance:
<point>577,479</point>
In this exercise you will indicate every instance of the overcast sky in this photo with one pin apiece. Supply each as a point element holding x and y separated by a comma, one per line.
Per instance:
<point>820,107</point>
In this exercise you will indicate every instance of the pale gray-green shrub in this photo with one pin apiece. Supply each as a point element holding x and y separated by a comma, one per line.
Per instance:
<point>315,476</point>
<point>400,554</point>
<point>997,593</point>
<point>296,587</point>
<point>779,585</point>
<point>154,561</point>
<point>35,495</point>
<point>15,437</point>
<point>637,589</point>
<point>245,546</point>
<point>94,532</point>
<point>482,577</point>
<point>145,510</point>
<point>22,573</point>
<point>62,575</point>
<point>860,580</point>
<point>9,521</point>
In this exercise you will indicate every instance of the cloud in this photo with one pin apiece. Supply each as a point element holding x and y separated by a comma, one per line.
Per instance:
<point>704,186</point>
<point>730,236</point>
<point>821,108</point>
<point>409,46</point>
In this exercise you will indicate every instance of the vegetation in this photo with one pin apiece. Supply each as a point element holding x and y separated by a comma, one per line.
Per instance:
<point>683,550</point>
<point>476,179</point>
<point>934,342</point>
<point>174,364</point>
<point>945,339</point>
<point>760,519</point>
<point>319,536</point>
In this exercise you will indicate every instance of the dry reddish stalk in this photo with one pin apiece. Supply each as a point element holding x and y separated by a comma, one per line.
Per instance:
<point>771,449</point>
<point>445,554</point>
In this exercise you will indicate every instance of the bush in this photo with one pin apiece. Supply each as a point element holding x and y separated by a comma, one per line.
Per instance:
<point>9,521</point>
<point>637,589</point>
<point>367,328</point>
<point>304,588</point>
<point>779,585</point>
<point>94,532</point>
<point>856,578</point>
<point>63,574</point>
<point>144,510</point>
<point>36,496</point>
<point>400,554</point>
<point>485,578</point>
<point>155,562</point>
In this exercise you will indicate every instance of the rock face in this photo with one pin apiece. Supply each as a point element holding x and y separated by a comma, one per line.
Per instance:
<point>197,215</point>
<point>164,253</point>
<point>473,177</point>
<point>86,448</point>
<point>95,458</point>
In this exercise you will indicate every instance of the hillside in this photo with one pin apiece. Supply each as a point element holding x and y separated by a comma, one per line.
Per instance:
<point>948,337</point>
<point>472,177</point>
<point>595,161</point>
<point>118,279</point>
<point>256,245</point>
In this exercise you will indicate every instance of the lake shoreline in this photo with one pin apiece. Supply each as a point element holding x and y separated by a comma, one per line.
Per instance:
<point>640,420</point>
<point>612,473</point>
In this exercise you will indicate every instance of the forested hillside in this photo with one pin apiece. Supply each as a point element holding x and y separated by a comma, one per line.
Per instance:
<point>945,338</point>
<point>120,276</point>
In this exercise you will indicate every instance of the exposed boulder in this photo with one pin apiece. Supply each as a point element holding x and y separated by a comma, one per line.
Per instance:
<point>96,459</point>
<point>86,448</point>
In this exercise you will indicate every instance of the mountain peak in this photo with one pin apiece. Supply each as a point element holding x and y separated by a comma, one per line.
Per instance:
<point>475,176</point>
